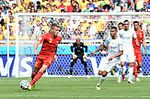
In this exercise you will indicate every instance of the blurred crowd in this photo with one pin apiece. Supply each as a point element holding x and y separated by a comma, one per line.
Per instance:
<point>71,28</point>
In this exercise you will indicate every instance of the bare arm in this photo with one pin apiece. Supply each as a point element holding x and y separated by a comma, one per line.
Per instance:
<point>116,55</point>
<point>144,45</point>
<point>36,45</point>
<point>100,48</point>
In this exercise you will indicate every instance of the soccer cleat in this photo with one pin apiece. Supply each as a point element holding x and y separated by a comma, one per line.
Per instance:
<point>137,79</point>
<point>98,87</point>
<point>130,82</point>
<point>33,87</point>
<point>119,80</point>
<point>87,76</point>
<point>112,72</point>
<point>29,87</point>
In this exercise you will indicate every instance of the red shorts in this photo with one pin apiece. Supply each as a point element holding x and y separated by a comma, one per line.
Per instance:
<point>138,56</point>
<point>44,61</point>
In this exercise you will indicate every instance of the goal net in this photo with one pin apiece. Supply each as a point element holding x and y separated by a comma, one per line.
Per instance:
<point>92,28</point>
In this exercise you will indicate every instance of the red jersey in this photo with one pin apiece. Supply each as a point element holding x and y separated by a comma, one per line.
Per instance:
<point>140,37</point>
<point>49,45</point>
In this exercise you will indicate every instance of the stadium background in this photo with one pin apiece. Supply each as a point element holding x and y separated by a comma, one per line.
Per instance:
<point>71,29</point>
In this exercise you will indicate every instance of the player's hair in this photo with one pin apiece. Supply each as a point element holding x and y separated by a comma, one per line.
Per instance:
<point>136,22</point>
<point>114,28</point>
<point>126,21</point>
<point>121,24</point>
<point>54,25</point>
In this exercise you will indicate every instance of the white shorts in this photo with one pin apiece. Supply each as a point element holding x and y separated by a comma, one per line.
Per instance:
<point>128,55</point>
<point>106,65</point>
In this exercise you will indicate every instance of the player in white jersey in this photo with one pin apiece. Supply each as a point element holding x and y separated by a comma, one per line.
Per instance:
<point>113,58</point>
<point>126,35</point>
<point>121,69</point>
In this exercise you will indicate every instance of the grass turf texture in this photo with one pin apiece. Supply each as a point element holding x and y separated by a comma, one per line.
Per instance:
<point>75,88</point>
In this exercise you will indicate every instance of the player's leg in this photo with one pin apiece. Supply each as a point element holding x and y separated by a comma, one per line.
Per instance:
<point>85,66</point>
<point>140,58</point>
<point>46,63</point>
<point>139,65</point>
<point>73,61</point>
<point>130,77</point>
<point>130,63</point>
<point>121,67</point>
<point>121,73</point>
<point>37,66</point>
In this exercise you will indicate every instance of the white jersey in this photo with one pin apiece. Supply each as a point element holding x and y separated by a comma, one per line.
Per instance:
<point>126,37</point>
<point>115,46</point>
<point>128,52</point>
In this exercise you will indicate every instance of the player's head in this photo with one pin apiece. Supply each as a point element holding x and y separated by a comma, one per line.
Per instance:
<point>54,29</point>
<point>136,25</point>
<point>120,26</point>
<point>78,41</point>
<point>113,32</point>
<point>126,25</point>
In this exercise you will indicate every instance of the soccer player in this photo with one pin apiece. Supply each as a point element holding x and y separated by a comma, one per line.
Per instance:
<point>78,52</point>
<point>121,73</point>
<point>113,58</point>
<point>47,54</point>
<point>126,35</point>
<point>137,49</point>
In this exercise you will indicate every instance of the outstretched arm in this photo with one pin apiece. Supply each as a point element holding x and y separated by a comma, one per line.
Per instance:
<point>100,48</point>
<point>36,45</point>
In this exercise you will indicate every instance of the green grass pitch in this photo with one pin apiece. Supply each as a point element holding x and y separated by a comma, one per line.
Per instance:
<point>75,88</point>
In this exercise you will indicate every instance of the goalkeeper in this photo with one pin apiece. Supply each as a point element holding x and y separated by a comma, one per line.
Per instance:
<point>78,52</point>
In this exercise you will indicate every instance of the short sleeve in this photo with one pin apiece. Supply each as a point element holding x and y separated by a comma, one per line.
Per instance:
<point>106,42</point>
<point>42,38</point>
<point>121,46</point>
<point>134,34</point>
<point>119,34</point>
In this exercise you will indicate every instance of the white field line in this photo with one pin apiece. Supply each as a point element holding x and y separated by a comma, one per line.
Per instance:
<point>75,96</point>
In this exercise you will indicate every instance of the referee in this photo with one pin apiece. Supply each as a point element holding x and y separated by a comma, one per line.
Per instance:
<point>78,52</point>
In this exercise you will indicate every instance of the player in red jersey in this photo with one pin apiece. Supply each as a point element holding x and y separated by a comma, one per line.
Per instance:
<point>137,49</point>
<point>47,54</point>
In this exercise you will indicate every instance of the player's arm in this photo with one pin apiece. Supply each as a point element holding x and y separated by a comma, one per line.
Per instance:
<point>86,48</point>
<point>116,55</point>
<point>135,37</point>
<point>36,45</point>
<point>107,50</point>
<point>55,56</point>
<point>100,48</point>
<point>144,45</point>
<point>73,53</point>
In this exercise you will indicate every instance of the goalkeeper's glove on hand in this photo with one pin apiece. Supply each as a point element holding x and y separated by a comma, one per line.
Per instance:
<point>74,55</point>
<point>85,55</point>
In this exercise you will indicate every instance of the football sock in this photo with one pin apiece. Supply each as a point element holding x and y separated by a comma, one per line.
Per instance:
<point>135,71</point>
<point>101,80</point>
<point>32,76</point>
<point>37,77</point>
<point>138,67</point>
<point>130,73</point>
<point>120,72</point>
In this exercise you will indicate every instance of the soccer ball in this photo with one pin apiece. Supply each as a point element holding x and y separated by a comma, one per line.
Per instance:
<point>24,84</point>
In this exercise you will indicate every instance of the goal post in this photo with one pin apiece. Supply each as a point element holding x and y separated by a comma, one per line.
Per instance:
<point>30,26</point>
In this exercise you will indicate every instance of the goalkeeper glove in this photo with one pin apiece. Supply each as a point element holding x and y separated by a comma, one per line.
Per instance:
<point>85,55</point>
<point>74,55</point>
